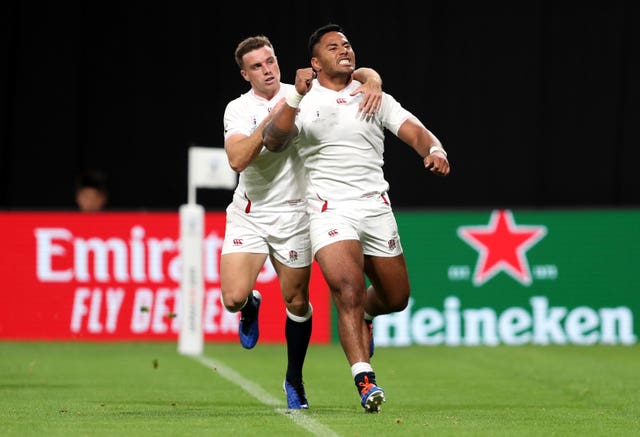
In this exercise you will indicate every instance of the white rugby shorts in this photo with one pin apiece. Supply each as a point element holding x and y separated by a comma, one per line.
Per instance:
<point>369,219</point>
<point>284,235</point>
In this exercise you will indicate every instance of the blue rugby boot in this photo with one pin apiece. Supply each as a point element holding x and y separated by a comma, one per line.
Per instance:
<point>371,396</point>
<point>249,330</point>
<point>296,397</point>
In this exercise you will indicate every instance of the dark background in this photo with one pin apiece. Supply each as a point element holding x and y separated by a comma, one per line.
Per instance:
<point>537,102</point>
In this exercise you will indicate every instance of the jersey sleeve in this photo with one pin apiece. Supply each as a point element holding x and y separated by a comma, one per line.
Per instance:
<point>235,119</point>
<point>392,114</point>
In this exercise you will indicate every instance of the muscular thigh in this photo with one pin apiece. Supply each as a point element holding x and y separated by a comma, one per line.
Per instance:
<point>239,271</point>
<point>388,275</point>
<point>342,264</point>
<point>294,282</point>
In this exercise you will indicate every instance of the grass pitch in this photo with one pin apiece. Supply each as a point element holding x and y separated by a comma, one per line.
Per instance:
<point>148,389</point>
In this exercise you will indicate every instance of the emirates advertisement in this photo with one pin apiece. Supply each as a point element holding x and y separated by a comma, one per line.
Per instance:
<point>116,276</point>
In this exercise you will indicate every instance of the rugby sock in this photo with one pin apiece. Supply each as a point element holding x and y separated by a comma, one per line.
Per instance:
<point>361,370</point>
<point>363,379</point>
<point>248,310</point>
<point>298,333</point>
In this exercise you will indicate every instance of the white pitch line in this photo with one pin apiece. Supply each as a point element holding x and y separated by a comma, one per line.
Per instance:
<point>298,417</point>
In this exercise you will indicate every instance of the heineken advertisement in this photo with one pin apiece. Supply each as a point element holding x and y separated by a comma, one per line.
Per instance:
<point>515,277</point>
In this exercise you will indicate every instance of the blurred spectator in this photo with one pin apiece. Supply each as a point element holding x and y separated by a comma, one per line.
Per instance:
<point>91,191</point>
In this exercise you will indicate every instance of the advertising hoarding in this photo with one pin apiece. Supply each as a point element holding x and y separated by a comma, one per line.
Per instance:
<point>518,277</point>
<point>116,276</point>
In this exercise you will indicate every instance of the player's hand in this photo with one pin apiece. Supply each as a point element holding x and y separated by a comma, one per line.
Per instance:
<point>437,163</point>
<point>371,99</point>
<point>304,78</point>
<point>277,106</point>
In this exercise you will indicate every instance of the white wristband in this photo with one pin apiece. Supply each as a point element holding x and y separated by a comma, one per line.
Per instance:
<point>433,149</point>
<point>293,99</point>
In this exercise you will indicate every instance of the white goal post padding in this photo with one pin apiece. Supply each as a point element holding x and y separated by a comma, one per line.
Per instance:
<point>208,168</point>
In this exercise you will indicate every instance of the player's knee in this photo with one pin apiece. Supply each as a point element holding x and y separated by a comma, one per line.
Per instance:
<point>298,307</point>
<point>233,302</point>
<point>300,313</point>
<point>399,302</point>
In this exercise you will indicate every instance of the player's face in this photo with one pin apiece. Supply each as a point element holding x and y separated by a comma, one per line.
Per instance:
<point>90,199</point>
<point>261,70</point>
<point>335,56</point>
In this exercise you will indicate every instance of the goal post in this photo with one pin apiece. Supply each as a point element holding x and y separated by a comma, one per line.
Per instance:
<point>208,167</point>
<point>191,338</point>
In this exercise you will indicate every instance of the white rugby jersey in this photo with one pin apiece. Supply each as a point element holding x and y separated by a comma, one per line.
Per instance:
<point>273,181</point>
<point>342,153</point>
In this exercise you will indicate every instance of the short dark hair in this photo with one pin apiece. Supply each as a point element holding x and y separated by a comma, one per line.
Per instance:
<point>249,44</point>
<point>92,178</point>
<point>319,32</point>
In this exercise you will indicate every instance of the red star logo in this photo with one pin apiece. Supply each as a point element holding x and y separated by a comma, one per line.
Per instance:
<point>501,247</point>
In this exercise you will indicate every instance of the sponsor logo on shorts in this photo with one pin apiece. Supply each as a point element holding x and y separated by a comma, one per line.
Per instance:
<point>392,244</point>
<point>237,242</point>
<point>293,255</point>
<point>341,101</point>
<point>333,232</point>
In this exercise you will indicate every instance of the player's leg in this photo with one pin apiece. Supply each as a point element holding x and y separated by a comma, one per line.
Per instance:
<point>294,283</point>
<point>384,263</point>
<point>390,289</point>
<point>368,320</point>
<point>238,274</point>
<point>342,266</point>
<point>244,252</point>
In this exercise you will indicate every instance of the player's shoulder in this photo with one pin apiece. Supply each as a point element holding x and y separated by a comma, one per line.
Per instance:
<point>244,97</point>
<point>285,89</point>
<point>241,103</point>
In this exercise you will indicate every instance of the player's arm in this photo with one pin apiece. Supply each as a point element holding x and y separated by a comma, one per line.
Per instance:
<point>423,141</point>
<point>281,129</point>
<point>371,89</point>
<point>242,149</point>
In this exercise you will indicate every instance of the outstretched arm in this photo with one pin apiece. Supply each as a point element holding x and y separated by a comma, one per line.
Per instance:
<point>426,144</point>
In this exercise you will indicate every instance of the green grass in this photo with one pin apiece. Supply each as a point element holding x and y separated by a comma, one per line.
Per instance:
<point>148,389</point>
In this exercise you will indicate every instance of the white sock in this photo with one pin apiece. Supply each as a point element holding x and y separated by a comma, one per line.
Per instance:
<point>300,319</point>
<point>360,367</point>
